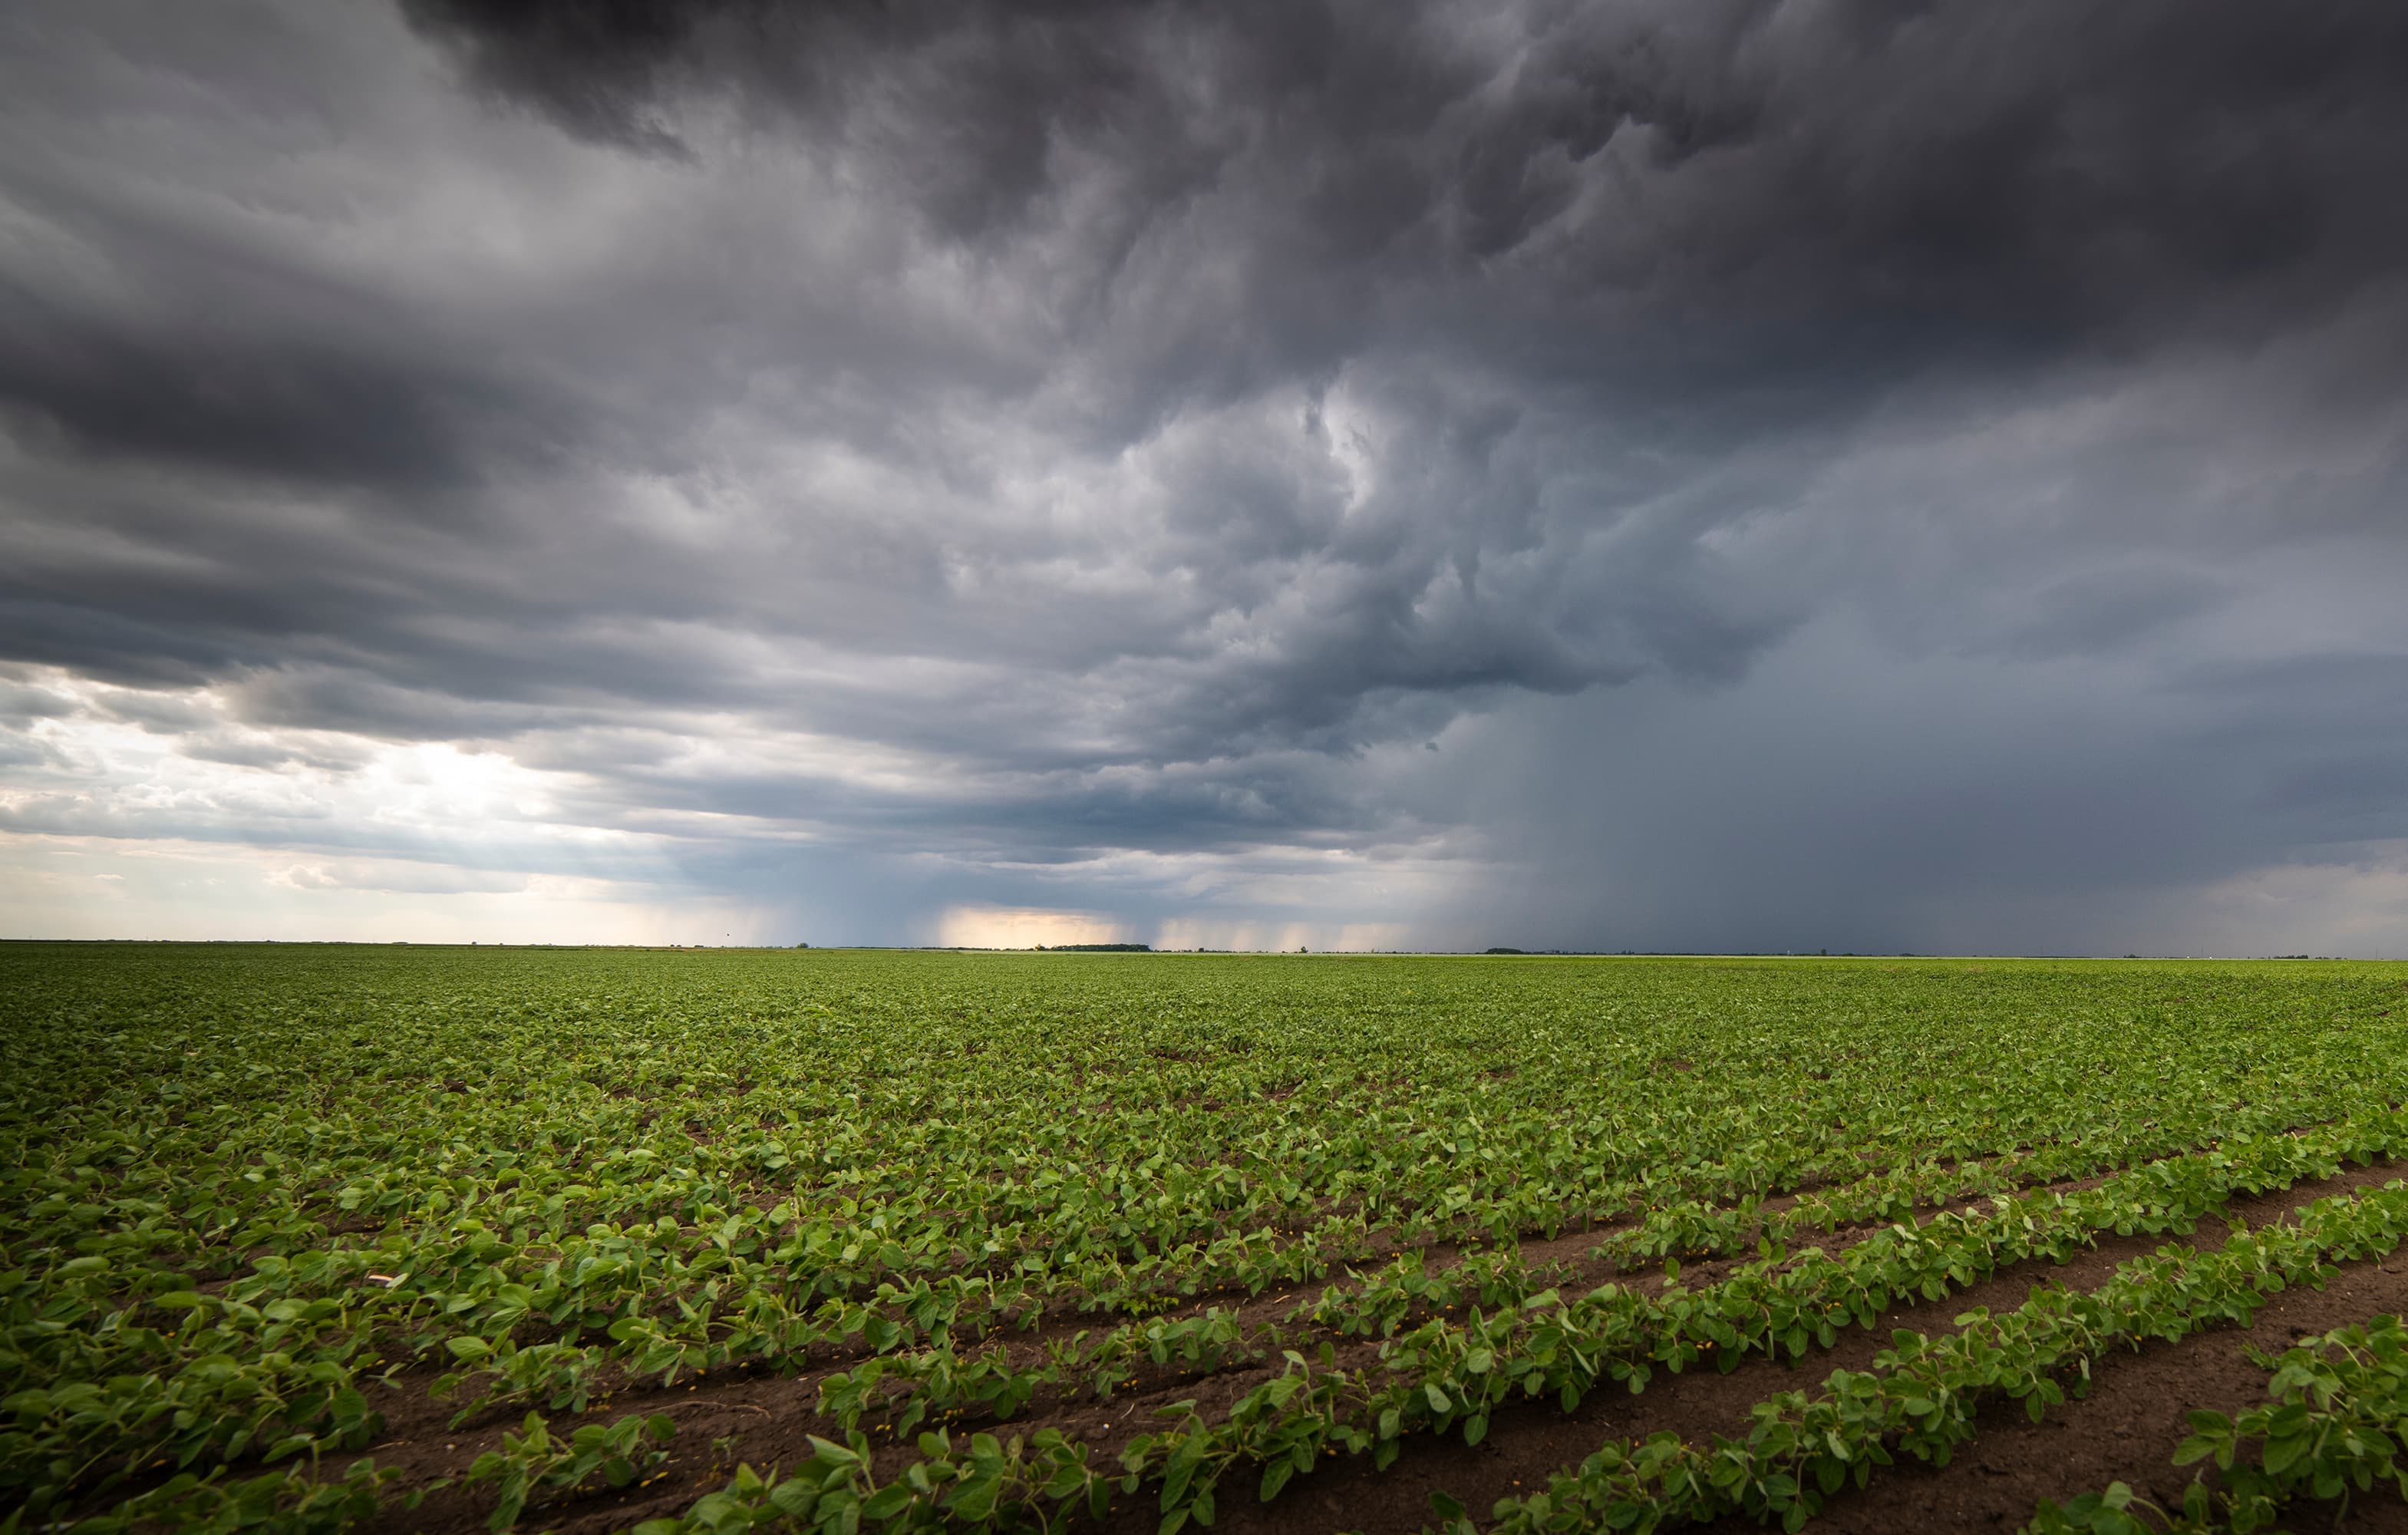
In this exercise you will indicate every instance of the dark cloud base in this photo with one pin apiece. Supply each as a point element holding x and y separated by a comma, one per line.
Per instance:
<point>1047,440</point>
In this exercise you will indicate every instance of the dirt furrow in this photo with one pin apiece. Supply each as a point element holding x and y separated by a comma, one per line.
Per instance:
<point>420,1442</point>
<point>764,1419</point>
<point>2126,1429</point>
<point>1527,1444</point>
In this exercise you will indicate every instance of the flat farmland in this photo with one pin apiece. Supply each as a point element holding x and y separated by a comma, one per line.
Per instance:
<point>410,1237</point>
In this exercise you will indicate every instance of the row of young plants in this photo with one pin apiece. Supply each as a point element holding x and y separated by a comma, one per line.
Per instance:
<point>2335,1427</point>
<point>1452,1375</point>
<point>2339,1401</point>
<point>292,1499</point>
<point>1921,1395</point>
<point>1919,1399</point>
<point>254,1367</point>
<point>1524,1343</point>
<point>289,1359</point>
<point>922,1373</point>
<point>288,1172</point>
<point>1126,1187</point>
<point>532,1464</point>
<point>819,1280</point>
<point>1765,1306</point>
<point>896,1313</point>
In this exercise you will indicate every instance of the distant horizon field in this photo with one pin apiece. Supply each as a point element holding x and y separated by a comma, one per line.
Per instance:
<point>464,1238</point>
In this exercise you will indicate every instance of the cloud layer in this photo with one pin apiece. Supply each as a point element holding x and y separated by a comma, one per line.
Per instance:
<point>1692,475</point>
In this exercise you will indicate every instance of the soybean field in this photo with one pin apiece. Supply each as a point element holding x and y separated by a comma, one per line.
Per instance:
<point>332,1237</point>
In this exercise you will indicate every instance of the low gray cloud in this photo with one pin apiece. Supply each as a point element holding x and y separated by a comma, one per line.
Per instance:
<point>884,457</point>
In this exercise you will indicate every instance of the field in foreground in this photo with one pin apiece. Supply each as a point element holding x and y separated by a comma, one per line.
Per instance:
<point>453,1240</point>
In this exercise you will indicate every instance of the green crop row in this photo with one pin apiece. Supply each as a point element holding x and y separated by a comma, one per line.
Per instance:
<point>1921,1394</point>
<point>2335,1427</point>
<point>275,1176</point>
<point>902,1318</point>
<point>1533,1346</point>
<point>1919,1400</point>
<point>1447,1374</point>
<point>295,1501</point>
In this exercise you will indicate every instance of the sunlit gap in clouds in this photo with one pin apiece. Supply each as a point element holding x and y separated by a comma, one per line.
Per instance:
<point>160,813</point>
<point>992,927</point>
<point>995,928</point>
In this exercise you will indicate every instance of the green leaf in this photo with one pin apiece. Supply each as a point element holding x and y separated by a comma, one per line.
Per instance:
<point>888,1502</point>
<point>2280,1455</point>
<point>1275,1476</point>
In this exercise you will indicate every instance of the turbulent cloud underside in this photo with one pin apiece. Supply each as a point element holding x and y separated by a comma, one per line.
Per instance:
<point>1691,474</point>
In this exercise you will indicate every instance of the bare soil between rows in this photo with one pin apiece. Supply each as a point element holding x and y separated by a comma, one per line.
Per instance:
<point>2124,1429</point>
<point>751,1415</point>
<point>1521,1452</point>
<point>765,1420</point>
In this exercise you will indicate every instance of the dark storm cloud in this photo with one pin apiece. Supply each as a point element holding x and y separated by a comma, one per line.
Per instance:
<point>217,393</point>
<point>1902,179</point>
<point>1068,431</point>
<point>1953,808</point>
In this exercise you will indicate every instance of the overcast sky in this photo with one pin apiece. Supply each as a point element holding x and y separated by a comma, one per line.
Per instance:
<point>1689,474</point>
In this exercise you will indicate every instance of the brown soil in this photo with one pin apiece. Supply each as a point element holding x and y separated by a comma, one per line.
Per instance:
<point>1527,1444</point>
<point>2125,1430</point>
<point>765,1420</point>
<point>768,1418</point>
